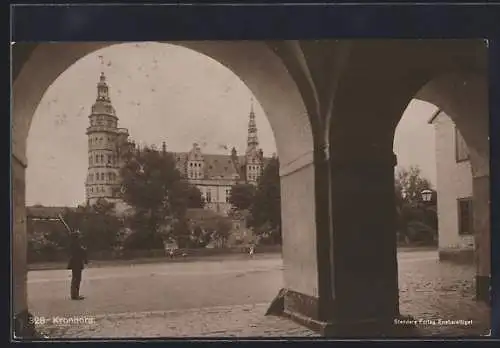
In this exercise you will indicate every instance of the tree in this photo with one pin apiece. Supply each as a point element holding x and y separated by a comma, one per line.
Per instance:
<point>217,229</point>
<point>410,184</point>
<point>417,221</point>
<point>266,206</point>
<point>154,188</point>
<point>242,196</point>
<point>195,198</point>
<point>99,227</point>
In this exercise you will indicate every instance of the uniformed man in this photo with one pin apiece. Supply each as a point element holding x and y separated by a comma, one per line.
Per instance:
<point>77,260</point>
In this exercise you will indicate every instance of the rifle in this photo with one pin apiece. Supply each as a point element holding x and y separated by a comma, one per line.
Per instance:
<point>64,223</point>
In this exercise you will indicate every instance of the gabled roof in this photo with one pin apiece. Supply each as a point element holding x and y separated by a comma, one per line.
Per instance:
<point>221,166</point>
<point>216,166</point>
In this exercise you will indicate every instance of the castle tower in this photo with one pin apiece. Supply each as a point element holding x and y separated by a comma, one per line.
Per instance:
<point>104,139</point>
<point>253,158</point>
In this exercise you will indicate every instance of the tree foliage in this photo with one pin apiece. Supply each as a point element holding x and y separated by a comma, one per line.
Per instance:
<point>242,196</point>
<point>159,195</point>
<point>417,220</point>
<point>99,227</point>
<point>194,197</point>
<point>410,184</point>
<point>266,206</point>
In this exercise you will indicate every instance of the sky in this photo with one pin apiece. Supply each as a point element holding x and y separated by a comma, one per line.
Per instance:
<point>168,93</point>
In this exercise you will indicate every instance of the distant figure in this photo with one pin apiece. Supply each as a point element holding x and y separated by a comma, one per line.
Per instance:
<point>77,260</point>
<point>252,250</point>
<point>171,253</point>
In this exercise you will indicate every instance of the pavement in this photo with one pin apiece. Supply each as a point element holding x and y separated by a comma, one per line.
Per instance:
<point>228,298</point>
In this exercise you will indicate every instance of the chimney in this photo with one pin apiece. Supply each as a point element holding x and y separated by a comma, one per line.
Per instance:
<point>164,147</point>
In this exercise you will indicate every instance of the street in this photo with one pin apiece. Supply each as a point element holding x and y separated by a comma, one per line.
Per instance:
<point>205,292</point>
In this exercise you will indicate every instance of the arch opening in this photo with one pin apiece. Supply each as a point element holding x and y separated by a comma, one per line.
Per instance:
<point>266,77</point>
<point>454,109</point>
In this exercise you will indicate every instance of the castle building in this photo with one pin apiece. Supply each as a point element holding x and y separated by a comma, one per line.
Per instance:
<point>213,174</point>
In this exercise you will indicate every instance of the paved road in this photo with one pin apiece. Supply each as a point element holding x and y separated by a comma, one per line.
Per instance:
<point>154,287</point>
<point>429,289</point>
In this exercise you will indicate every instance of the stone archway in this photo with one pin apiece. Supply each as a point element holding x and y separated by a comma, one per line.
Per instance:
<point>464,98</point>
<point>376,84</point>
<point>262,70</point>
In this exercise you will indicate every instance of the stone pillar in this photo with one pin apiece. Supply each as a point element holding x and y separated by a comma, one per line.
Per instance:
<point>23,325</point>
<point>363,217</point>
<point>481,216</point>
<point>299,248</point>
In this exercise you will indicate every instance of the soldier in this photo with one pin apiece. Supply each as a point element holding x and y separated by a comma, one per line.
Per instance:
<point>77,260</point>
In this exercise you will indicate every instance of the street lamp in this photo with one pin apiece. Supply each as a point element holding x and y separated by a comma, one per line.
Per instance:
<point>426,196</point>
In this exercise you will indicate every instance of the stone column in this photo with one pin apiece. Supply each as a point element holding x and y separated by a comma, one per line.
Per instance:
<point>23,325</point>
<point>363,217</point>
<point>482,230</point>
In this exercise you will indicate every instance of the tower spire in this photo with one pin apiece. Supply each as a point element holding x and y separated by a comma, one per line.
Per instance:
<point>102,86</point>
<point>252,141</point>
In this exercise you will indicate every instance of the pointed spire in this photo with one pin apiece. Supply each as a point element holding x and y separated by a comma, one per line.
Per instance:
<point>252,141</point>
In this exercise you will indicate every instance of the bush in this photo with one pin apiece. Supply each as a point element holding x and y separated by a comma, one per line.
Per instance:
<point>420,232</point>
<point>139,240</point>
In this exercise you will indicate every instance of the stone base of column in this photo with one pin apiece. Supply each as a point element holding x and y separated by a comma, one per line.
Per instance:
<point>303,305</point>
<point>401,327</point>
<point>303,309</point>
<point>483,289</point>
<point>24,326</point>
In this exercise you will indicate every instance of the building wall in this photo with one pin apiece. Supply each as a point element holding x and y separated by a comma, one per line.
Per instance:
<point>454,181</point>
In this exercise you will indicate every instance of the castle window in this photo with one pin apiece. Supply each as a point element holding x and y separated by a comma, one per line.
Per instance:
<point>91,189</point>
<point>110,176</point>
<point>102,158</point>
<point>191,164</point>
<point>96,158</point>
<point>90,159</point>
<point>102,176</point>
<point>209,196</point>
<point>465,217</point>
<point>109,159</point>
